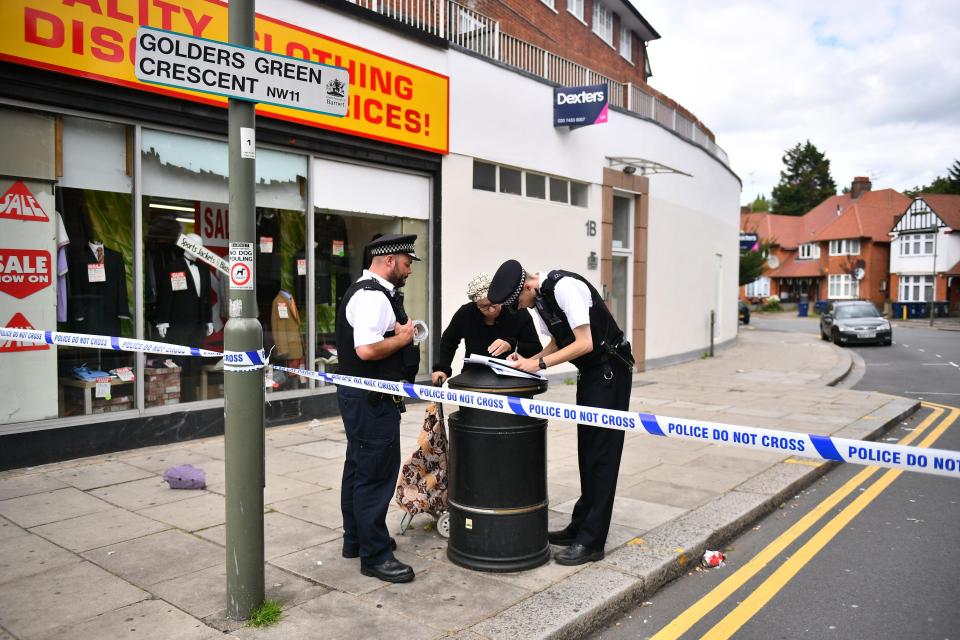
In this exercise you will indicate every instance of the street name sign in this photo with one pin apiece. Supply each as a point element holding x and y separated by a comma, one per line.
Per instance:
<point>176,60</point>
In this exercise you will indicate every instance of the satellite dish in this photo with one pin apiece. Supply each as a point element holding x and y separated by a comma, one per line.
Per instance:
<point>773,262</point>
<point>859,273</point>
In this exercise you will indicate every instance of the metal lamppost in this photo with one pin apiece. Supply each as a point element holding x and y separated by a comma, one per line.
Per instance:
<point>243,390</point>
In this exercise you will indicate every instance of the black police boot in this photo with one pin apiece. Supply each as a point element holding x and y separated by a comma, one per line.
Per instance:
<point>391,570</point>
<point>578,554</point>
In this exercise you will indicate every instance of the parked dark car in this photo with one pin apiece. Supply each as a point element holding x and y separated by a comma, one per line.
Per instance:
<point>854,321</point>
<point>744,312</point>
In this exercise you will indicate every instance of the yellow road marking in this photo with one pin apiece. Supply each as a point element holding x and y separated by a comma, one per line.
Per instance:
<point>679,625</point>
<point>773,584</point>
<point>809,463</point>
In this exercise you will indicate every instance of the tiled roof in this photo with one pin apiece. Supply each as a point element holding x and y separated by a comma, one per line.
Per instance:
<point>870,216</point>
<point>947,208</point>
<point>794,268</point>
<point>783,230</point>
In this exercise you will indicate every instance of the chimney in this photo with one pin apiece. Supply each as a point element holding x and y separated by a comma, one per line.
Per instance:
<point>859,186</point>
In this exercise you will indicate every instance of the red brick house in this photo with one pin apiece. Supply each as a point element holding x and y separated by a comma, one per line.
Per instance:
<point>838,250</point>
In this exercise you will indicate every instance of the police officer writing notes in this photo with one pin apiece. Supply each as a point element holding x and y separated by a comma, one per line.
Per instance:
<point>582,330</point>
<point>374,340</point>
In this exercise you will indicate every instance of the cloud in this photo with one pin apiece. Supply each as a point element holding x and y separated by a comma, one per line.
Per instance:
<point>875,85</point>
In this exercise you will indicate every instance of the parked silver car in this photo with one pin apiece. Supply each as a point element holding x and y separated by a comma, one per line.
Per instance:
<point>854,321</point>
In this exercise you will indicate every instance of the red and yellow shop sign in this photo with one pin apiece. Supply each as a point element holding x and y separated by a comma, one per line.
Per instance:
<point>390,100</point>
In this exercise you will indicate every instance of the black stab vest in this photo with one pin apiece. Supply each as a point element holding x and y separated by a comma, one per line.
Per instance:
<point>401,365</point>
<point>603,328</point>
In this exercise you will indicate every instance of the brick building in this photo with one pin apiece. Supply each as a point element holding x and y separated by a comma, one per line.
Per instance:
<point>839,250</point>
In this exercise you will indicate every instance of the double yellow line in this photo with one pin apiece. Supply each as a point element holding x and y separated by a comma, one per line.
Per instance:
<point>779,578</point>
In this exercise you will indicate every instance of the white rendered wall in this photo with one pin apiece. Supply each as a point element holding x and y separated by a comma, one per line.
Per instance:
<point>504,117</point>
<point>948,254</point>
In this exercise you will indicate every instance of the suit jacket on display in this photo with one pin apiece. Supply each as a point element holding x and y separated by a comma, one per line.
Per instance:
<point>185,306</point>
<point>96,305</point>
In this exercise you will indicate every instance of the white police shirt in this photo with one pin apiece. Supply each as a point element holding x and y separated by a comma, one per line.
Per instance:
<point>370,313</point>
<point>573,298</point>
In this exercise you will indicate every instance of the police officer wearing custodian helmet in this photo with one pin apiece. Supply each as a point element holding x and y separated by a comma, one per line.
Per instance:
<point>375,340</point>
<point>582,330</point>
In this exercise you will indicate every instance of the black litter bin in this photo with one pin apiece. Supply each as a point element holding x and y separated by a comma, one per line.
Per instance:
<point>498,479</point>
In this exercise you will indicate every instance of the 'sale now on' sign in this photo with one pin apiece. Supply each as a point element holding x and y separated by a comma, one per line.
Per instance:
<point>175,60</point>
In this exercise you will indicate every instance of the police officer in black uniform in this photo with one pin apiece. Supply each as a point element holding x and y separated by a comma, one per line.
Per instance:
<point>374,340</point>
<point>583,332</point>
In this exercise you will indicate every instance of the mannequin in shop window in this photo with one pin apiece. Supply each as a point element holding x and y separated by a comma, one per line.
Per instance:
<point>97,301</point>
<point>184,312</point>
<point>285,320</point>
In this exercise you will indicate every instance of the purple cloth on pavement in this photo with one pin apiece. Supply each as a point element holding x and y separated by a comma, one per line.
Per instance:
<point>185,476</point>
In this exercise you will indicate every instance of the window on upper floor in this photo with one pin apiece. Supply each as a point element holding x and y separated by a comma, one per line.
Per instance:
<point>916,244</point>
<point>848,247</point>
<point>576,8</point>
<point>550,3</point>
<point>809,251</point>
<point>484,176</point>
<point>626,43</point>
<point>519,182</point>
<point>603,22</point>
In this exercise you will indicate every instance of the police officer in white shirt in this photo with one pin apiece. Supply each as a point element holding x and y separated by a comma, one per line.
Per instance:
<point>374,340</point>
<point>582,330</point>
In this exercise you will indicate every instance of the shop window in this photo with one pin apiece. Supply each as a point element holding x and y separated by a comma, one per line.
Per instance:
<point>559,190</point>
<point>484,176</point>
<point>510,180</point>
<point>536,186</point>
<point>186,299</point>
<point>578,193</point>
<point>95,202</point>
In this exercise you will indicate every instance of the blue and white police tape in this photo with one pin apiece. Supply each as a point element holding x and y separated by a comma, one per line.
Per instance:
<point>818,447</point>
<point>232,360</point>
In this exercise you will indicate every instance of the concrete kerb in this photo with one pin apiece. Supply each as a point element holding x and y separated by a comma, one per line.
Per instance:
<point>842,370</point>
<point>591,598</point>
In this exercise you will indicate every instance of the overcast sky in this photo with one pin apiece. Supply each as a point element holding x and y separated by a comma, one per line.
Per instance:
<point>873,84</point>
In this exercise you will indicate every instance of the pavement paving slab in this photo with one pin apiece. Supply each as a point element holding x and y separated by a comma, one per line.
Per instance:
<point>146,620</point>
<point>26,484</point>
<point>158,557</point>
<point>99,529</point>
<point>100,474</point>
<point>282,534</point>
<point>29,555</point>
<point>37,604</point>
<point>52,506</point>
<point>198,512</point>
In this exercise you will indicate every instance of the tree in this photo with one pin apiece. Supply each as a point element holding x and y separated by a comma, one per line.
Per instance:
<point>760,203</point>
<point>754,263</point>
<point>941,184</point>
<point>806,181</point>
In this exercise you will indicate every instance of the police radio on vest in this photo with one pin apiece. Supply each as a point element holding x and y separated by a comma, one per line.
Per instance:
<point>580,98</point>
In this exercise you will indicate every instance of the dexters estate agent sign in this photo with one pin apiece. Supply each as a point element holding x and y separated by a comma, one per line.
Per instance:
<point>175,60</point>
<point>579,106</point>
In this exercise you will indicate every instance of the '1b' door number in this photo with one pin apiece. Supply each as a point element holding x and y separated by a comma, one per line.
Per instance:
<point>591,228</point>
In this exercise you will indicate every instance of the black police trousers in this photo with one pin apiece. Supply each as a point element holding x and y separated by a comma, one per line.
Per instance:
<point>369,472</point>
<point>606,386</point>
